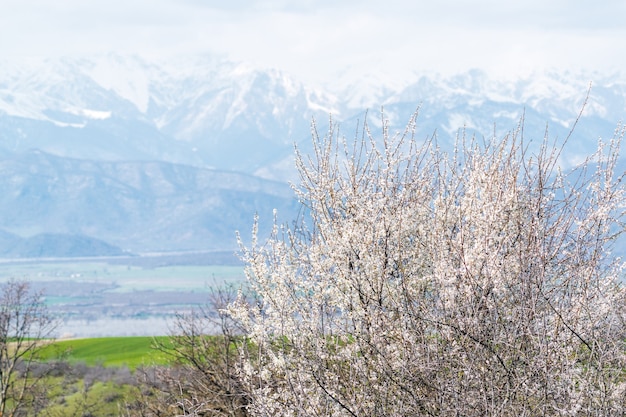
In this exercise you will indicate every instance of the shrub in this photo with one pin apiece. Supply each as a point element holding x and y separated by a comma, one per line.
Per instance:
<point>478,282</point>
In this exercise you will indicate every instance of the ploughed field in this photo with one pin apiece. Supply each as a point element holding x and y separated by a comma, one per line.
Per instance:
<point>130,296</point>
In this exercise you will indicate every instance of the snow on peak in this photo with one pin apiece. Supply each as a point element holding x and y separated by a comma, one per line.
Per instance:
<point>91,114</point>
<point>127,77</point>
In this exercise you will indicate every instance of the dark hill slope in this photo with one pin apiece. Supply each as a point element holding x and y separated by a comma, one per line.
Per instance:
<point>137,206</point>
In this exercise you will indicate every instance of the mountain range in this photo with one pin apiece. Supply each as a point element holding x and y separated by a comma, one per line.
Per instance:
<point>119,154</point>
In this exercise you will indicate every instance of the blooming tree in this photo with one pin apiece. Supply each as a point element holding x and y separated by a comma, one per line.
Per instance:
<point>478,282</point>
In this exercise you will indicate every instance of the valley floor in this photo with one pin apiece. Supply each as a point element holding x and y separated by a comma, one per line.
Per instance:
<point>123,296</point>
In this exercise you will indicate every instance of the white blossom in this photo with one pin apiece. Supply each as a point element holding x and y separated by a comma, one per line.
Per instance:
<point>478,284</point>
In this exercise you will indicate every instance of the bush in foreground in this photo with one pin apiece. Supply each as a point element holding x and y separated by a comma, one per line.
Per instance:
<point>475,283</point>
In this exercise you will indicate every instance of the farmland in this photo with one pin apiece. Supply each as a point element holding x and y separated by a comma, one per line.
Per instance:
<point>129,352</point>
<point>93,376</point>
<point>134,296</point>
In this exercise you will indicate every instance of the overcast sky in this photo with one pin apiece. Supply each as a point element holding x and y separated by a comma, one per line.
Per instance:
<point>315,39</point>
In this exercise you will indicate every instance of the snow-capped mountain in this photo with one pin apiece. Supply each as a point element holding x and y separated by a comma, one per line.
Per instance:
<point>214,113</point>
<point>205,112</point>
<point>153,155</point>
<point>548,103</point>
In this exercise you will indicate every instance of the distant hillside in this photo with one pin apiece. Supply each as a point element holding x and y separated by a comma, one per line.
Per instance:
<point>135,206</point>
<point>55,246</point>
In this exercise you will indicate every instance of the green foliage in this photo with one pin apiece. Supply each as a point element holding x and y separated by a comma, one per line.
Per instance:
<point>99,399</point>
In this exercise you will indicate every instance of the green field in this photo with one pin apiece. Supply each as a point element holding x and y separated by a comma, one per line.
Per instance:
<point>107,351</point>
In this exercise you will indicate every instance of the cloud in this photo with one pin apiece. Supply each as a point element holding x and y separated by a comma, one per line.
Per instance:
<point>314,39</point>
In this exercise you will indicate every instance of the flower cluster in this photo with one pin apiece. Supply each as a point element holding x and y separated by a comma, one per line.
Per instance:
<point>474,283</point>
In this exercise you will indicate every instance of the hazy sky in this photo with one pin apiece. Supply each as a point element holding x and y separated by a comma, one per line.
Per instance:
<point>315,39</point>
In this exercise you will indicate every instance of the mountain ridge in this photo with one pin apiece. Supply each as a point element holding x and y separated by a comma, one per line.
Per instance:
<point>138,206</point>
<point>151,156</point>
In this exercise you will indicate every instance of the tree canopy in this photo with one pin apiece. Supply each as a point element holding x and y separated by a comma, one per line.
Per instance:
<point>475,282</point>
